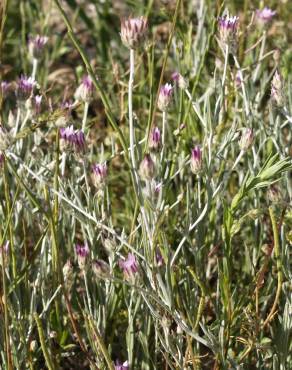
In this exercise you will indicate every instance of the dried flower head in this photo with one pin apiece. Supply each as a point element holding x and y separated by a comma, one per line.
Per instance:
<point>101,269</point>
<point>134,31</point>
<point>25,88</point>
<point>82,252</point>
<point>196,160</point>
<point>120,366</point>
<point>180,80</point>
<point>147,168</point>
<point>155,139</point>
<point>264,15</point>
<point>164,98</point>
<point>228,30</point>
<point>37,103</point>
<point>99,175</point>
<point>277,90</point>
<point>129,266</point>
<point>71,139</point>
<point>85,90</point>
<point>274,194</point>
<point>246,139</point>
<point>36,46</point>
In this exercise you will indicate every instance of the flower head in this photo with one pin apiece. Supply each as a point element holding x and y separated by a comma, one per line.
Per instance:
<point>129,266</point>
<point>38,103</point>
<point>25,87</point>
<point>82,252</point>
<point>165,96</point>
<point>246,139</point>
<point>85,90</point>
<point>155,139</point>
<point>5,88</point>
<point>147,168</point>
<point>134,31</point>
<point>277,89</point>
<point>36,46</point>
<point>265,15</point>
<point>72,139</point>
<point>180,80</point>
<point>228,29</point>
<point>99,175</point>
<point>124,366</point>
<point>196,160</point>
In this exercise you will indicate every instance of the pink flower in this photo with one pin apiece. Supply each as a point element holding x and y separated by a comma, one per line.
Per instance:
<point>85,91</point>
<point>99,174</point>
<point>36,46</point>
<point>25,87</point>
<point>180,80</point>
<point>228,28</point>
<point>82,252</point>
<point>129,266</point>
<point>196,160</point>
<point>155,139</point>
<point>165,96</point>
<point>134,31</point>
<point>124,366</point>
<point>265,15</point>
<point>72,139</point>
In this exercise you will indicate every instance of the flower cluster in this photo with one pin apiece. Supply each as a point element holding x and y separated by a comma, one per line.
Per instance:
<point>71,139</point>
<point>165,95</point>
<point>134,31</point>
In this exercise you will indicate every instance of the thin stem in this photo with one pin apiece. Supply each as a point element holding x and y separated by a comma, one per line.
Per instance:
<point>130,110</point>
<point>164,122</point>
<point>87,292</point>
<point>85,114</point>
<point>225,66</point>
<point>17,120</point>
<point>34,68</point>
<point>278,263</point>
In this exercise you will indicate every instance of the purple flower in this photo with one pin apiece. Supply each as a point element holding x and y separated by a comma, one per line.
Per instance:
<point>265,15</point>
<point>119,366</point>
<point>25,87</point>
<point>99,174</point>
<point>129,266</point>
<point>196,160</point>
<point>71,139</point>
<point>36,46</point>
<point>165,96</point>
<point>134,31</point>
<point>147,168</point>
<point>228,27</point>
<point>155,139</point>
<point>85,90</point>
<point>82,252</point>
<point>159,258</point>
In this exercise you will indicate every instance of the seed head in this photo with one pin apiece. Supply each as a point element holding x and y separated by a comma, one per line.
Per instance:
<point>36,46</point>
<point>134,31</point>
<point>277,90</point>
<point>85,90</point>
<point>165,96</point>
<point>196,160</point>
<point>228,30</point>
<point>180,80</point>
<point>99,175</point>
<point>155,139</point>
<point>246,139</point>
<point>101,269</point>
<point>147,168</point>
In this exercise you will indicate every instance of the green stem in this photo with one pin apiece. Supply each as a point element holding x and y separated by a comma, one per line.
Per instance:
<point>44,346</point>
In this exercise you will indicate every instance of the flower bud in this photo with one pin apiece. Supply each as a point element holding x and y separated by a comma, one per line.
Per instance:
<point>134,31</point>
<point>99,175</point>
<point>180,80</point>
<point>147,168</point>
<point>246,139</point>
<point>85,90</point>
<point>36,46</point>
<point>129,266</point>
<point>82,252</point>
<point>164,97</point>
<point>155,139</point>
<point>228,30</point>
<point>196,160</point>
<point>277,90</point>
<point>37,103</point>
<point>101,269</point>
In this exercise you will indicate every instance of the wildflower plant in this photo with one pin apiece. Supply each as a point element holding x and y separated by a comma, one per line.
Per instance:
<point>145,214</point>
